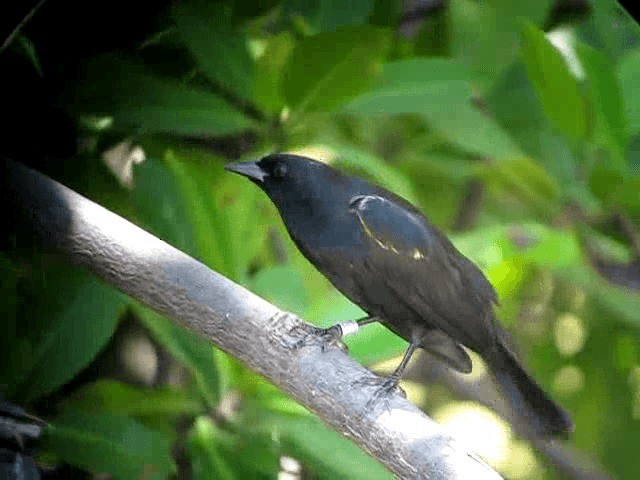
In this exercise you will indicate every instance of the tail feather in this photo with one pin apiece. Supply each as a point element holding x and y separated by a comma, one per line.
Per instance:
<point>527,398</point>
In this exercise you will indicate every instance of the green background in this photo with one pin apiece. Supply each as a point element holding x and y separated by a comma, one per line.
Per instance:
<point>526,154</point>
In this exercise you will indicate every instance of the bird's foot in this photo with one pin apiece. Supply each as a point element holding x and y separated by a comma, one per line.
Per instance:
<point>288,331</point>
<point>385,388</point>
<point>326,338</point>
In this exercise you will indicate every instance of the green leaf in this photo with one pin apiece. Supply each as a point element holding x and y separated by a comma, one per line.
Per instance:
<point>208,461</point>
<point>109,444</point>
<point>615,26</point>
<point>620,303</point>
<point>617,188</point>
<point>627,196</point>
<point>385,13</point>
<point>532,243</point>
<point>474,131</point>
<point>555,249</point>
<point>269,72</point>
<point>378,170</point>
<point>191,202</point>
<point>66,318</point>
<point>412,97</point>
<point>25,47</point>
<point>371,344</point>
<point>111,86</point>
<point>109,396</point>
<point>424,70</point>
<point>479,38</point>
<point>328,453</point>
<point>439,91</point>
<point>328,69</point>
<point>330,308</point>
<point>253,455</point>
<point>244,10</point>
<point>514,103</point>
<point>432,39</point>
<point>195,174</point>
<point>328,15</point>
<point>194,352</point>
<point>557,88</point>
<point>628,72</point>
<point>525,179</point>
<point>534,12</point>
<point>161,205</point>
<point>221,51</point>
<point>604,180</point>
<point>485,35</point>
<point>219,204</point>
<point>375,343</point>
<point>606,99</point>
<point>282,286</point>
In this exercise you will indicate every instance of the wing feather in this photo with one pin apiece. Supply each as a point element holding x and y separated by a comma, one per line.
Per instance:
<point>425,270</point>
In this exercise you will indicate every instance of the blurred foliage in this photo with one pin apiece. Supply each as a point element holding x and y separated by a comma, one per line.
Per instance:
<point>541,111</point>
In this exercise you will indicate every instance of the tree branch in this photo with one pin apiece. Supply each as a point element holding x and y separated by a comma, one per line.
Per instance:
<point>170,282</point>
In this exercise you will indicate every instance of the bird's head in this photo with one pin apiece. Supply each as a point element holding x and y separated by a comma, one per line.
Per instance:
<point>275,169</point>
<point>286,177</point>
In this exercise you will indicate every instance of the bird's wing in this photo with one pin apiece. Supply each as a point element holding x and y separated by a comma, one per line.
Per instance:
<point>423,267</point>
<point>391,227</point>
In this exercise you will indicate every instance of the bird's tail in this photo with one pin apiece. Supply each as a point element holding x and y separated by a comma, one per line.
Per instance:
<point>527,398</point>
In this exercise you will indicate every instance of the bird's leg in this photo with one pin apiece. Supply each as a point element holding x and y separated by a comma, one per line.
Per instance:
<point>333,334</point>
<point>367,320</point>
<point>395,377</point>
<point>386,385</point>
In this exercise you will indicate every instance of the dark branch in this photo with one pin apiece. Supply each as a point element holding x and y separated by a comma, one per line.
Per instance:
<point>398,434</point>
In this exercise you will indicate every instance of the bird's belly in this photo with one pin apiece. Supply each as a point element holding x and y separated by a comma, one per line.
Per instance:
<point>373,295</point>
<point>344,257</point>
<point>394,312</point>
<point>399,309</point>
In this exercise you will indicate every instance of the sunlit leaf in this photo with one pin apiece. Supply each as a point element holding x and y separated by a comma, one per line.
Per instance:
<point>628,72</point>
<point>269,72</point>
<point>606,99</point>
<point>208,461</point>
<point>557,88</point>
<point>161,205</point>
<point>330,455</point>
<point>328,69</point>
<point>618,302</point>
<point>616,27</point>
<point>377,169</point>
<point>526,180</point>
<point>220,50</point>
<point>439,90</point>
<point>282,286</point>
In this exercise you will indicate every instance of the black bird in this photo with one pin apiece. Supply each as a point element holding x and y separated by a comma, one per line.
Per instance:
<point>391,261</point>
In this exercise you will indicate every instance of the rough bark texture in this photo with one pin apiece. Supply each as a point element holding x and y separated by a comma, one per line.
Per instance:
<point>395,432</point>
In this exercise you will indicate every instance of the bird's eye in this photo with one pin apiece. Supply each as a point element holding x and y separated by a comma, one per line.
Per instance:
<point>279,170</point>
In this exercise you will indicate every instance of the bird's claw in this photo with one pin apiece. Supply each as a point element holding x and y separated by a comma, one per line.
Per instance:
<point>386,386</point>
<point>325,337</point>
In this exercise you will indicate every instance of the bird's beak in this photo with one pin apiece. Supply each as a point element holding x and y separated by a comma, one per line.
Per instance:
<point>250,170</point>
